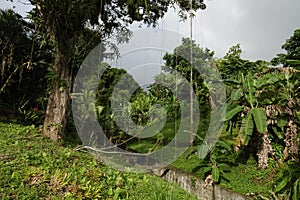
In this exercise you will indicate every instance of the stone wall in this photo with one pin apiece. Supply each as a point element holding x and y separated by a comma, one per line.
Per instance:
<point>198,187</point>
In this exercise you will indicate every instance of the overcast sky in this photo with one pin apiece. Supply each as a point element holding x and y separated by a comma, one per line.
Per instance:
<point>260,26</point>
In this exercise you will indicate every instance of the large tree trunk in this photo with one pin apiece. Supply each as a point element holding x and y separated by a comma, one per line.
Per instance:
<point>56,120</point>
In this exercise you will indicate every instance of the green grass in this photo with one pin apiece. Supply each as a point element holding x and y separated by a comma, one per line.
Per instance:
<point>239,177</point>
<point>241,174</point>
<point>246,178</point>
<point>33,167</point>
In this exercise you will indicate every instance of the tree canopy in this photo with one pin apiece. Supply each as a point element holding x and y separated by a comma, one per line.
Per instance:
<point>62,21</point>
<point>292,48</point>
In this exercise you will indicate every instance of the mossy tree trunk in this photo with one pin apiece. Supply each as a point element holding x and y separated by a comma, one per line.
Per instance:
<point>56,118</point>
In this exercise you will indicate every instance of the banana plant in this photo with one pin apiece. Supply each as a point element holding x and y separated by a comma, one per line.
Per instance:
<point>283,106</point>
<point>243,103</point>
<point>290,102</point>
<point>247,115</point>
<point>218,162</point>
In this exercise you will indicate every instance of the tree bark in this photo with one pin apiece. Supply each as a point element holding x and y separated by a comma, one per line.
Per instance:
<point>291,140</point>
<point>264,150</point>
<point>56,119</point>
<point>291,133</point>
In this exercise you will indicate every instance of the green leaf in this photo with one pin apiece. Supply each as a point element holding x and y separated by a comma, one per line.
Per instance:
<point>110,191</point>
<point>268,79</point>
<point>231,82</point>
<point>222,166</point>
<point>248,85</point>
<point>236,94</point>
<point>260,119</point>
<point>293,62</point>
<point>265,101</point>
<point>246,129</point>
<point>284,96</point>
<point>244,137</point>
<point>281,123</point>
<point>205,169</point>
<point>282,184</point>
<point>233,112</point>
<point>296,192</point>
<point>299,188</point>
<point>279,133</point>
<point>100,109</point>
<point>248,125</point>
<point>215,174</point>
<point>225,146</point>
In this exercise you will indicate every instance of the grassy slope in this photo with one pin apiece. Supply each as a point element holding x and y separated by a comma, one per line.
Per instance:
<point>241,177</point>
<point>33,167</point>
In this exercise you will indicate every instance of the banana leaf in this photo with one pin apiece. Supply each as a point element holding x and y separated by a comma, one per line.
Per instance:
<point>260,119</point>
<point>233,112</point>
<point>246,129</point>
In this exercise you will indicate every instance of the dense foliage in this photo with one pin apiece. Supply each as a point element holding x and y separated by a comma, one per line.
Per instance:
<point>25,64</point>
<point>260,136</point>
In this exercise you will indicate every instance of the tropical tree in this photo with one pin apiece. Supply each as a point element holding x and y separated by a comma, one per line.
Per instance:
<point>23,81</point>
<point>290,101</point>
<point>283,107</point>
<point>164,95</point>
<point>232,64</point>
<point>62,21</point>
<point>278,113</point>
<point>290,91</point>
<point>179,61</point>
<point>249,116</point>
<point>104,95</point>
<point>292,48</point>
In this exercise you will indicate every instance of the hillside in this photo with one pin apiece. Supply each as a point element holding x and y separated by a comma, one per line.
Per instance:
<point>33,167</point>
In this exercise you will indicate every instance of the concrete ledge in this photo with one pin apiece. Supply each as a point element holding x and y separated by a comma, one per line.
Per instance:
<point>197,186</point>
